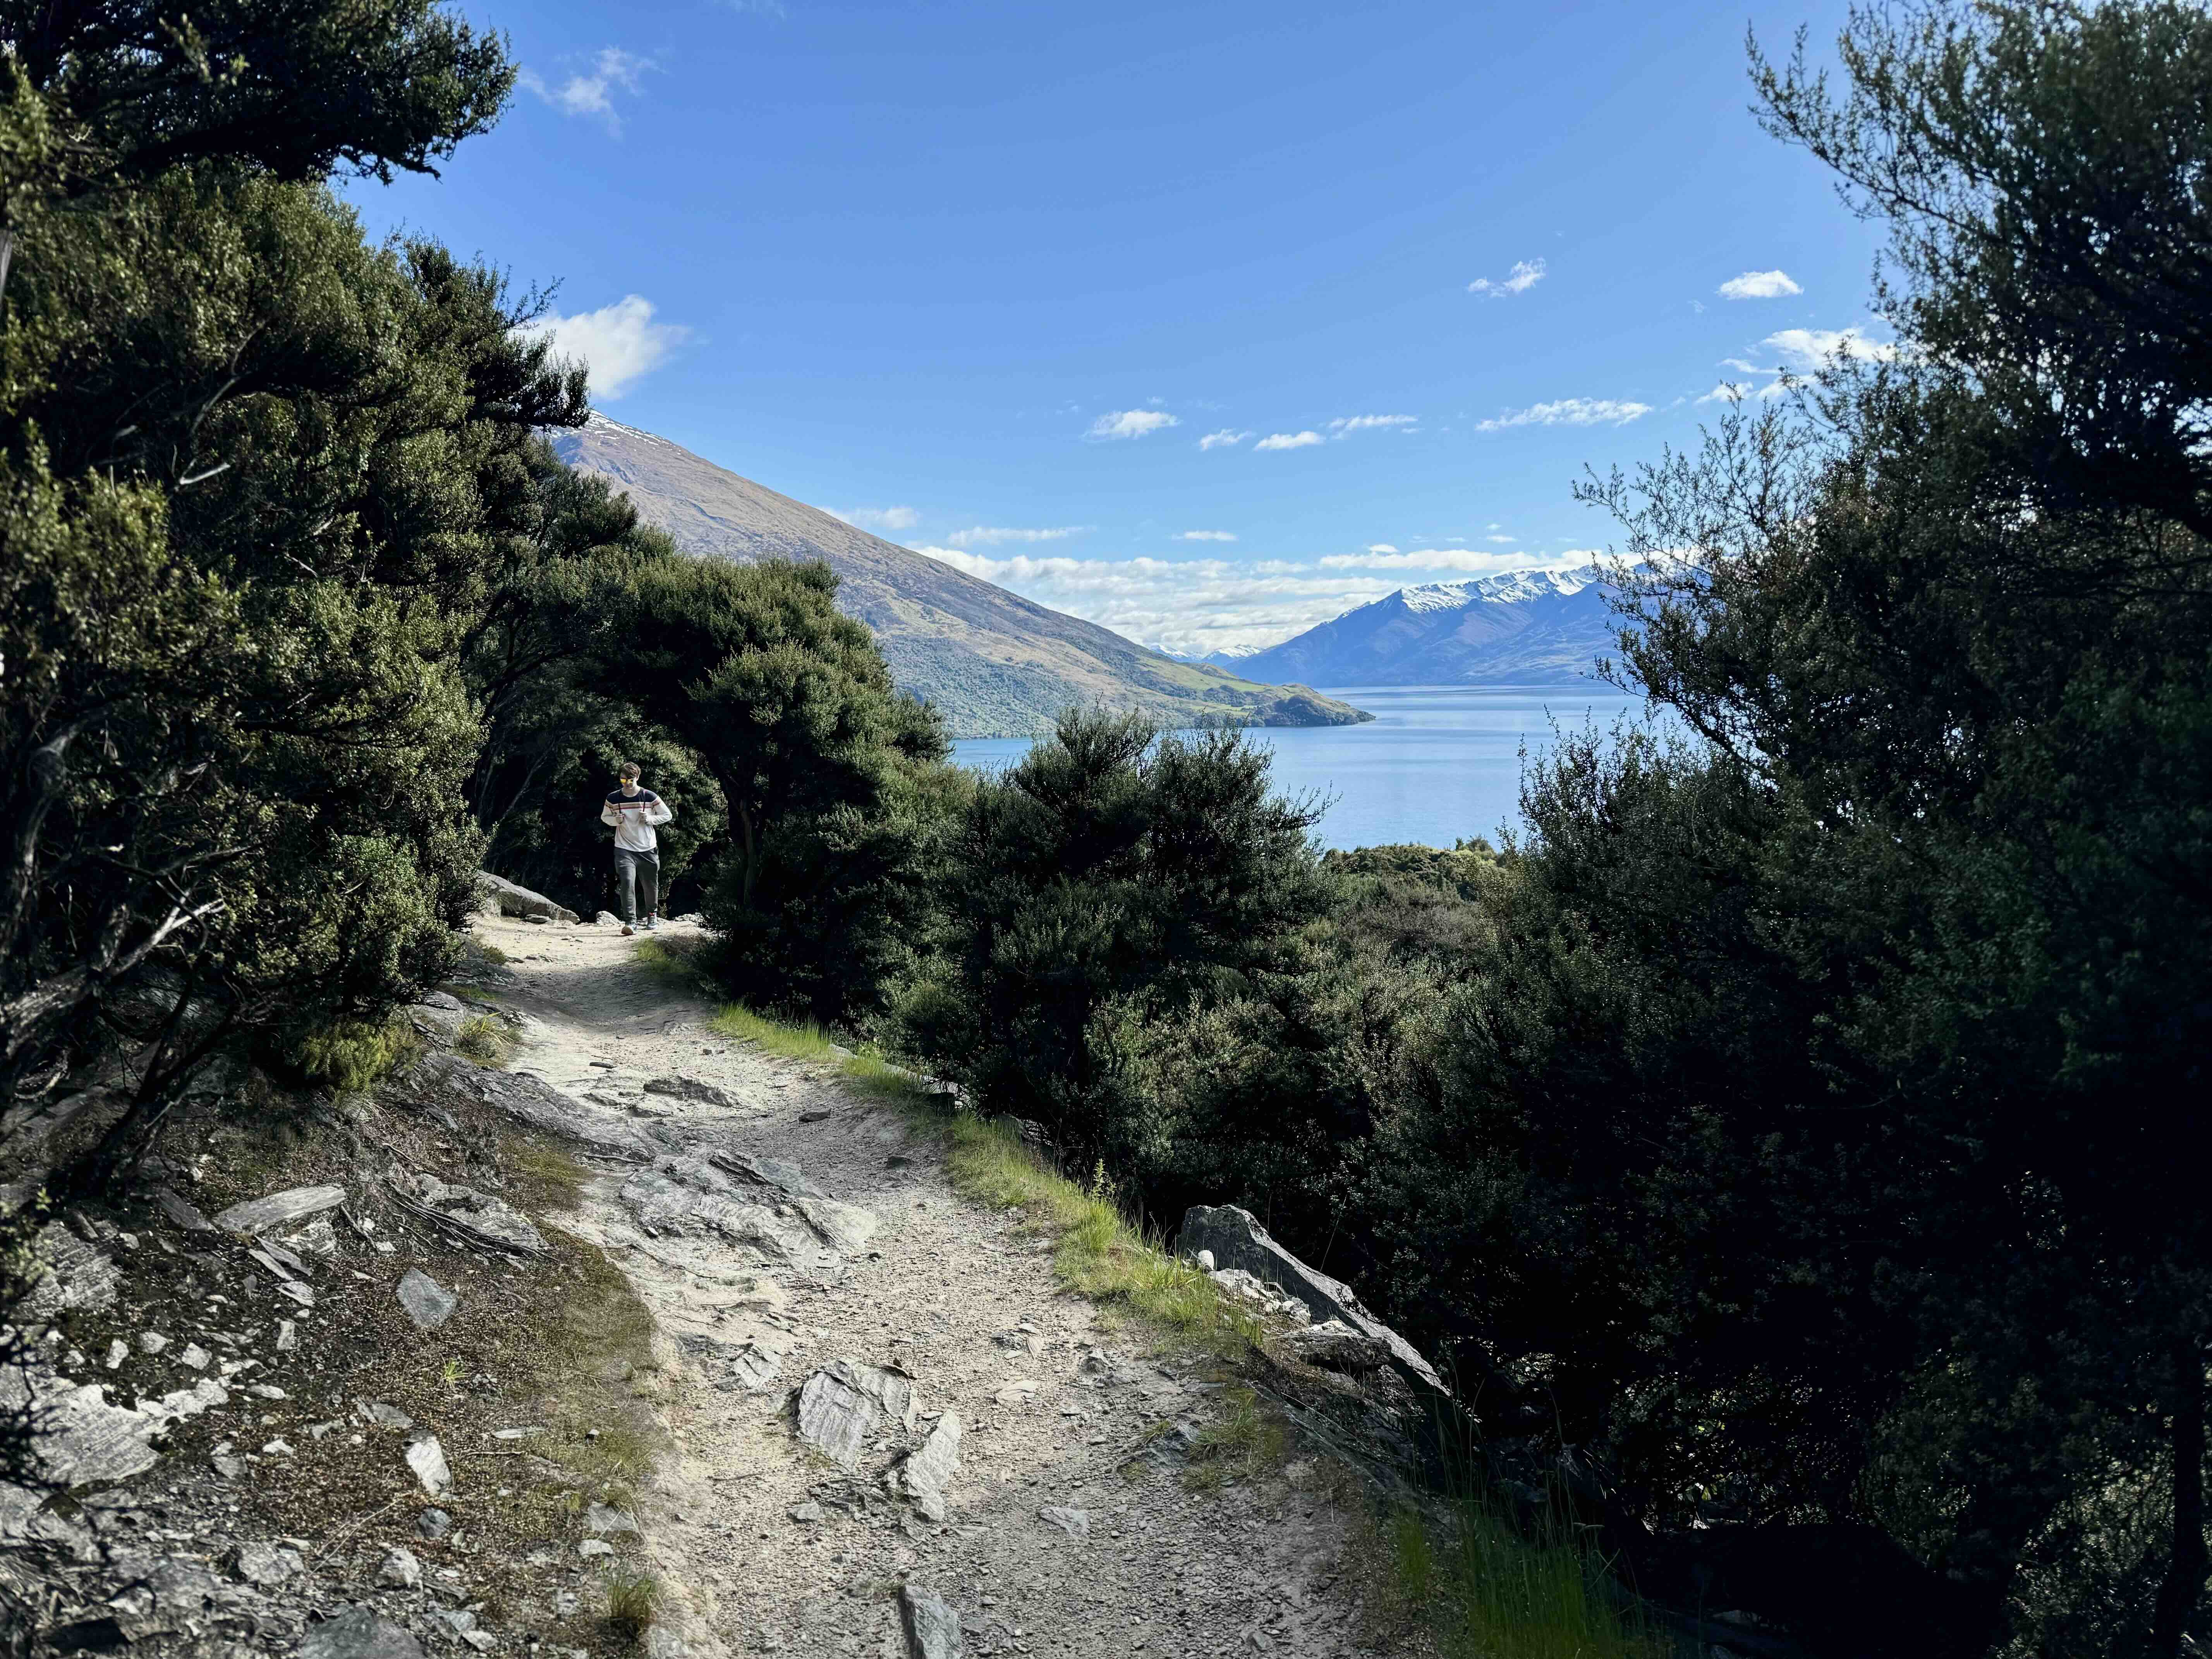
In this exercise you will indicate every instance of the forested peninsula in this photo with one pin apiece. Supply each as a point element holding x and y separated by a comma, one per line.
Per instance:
<point>1789,1141</point>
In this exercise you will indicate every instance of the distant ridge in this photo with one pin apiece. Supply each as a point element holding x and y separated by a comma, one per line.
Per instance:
<point>1523,628</point>
<point>994,664</point>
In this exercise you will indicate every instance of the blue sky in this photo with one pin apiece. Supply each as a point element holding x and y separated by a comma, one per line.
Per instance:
<point>1207,322</point>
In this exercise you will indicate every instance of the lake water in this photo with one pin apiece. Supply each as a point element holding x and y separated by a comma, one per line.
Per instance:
<point>1437,764</point>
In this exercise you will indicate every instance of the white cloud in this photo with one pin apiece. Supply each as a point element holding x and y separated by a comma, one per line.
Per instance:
<point>1201,604</point>
<point>1206,536</point>
<point>1759,285</point>
<point>1569,411</point>
<point>1344,425</point>
<point>592,94</point>
<point>1488,538</point>
<point>992,535</point>
<point>1191,605</point>
<point>878,518</point>
<point>1464,561</point>
<point>1289,440</point>
<point>1216,440</point>
<point>1524,275</point>
<point>1800,352</point>
<point>619,343</point>
<point>1130,423</point>
<point>1809,350</point>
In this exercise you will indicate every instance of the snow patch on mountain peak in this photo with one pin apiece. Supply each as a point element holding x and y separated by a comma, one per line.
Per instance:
<point>1510,587</point>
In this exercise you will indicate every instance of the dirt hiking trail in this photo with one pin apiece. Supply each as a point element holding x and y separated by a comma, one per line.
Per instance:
<point>1000,1447</point>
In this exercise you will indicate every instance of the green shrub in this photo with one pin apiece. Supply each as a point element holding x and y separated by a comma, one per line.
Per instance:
<point>352,1055</point>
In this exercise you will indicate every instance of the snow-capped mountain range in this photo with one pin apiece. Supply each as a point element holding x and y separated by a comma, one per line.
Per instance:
<point>1522,628</point>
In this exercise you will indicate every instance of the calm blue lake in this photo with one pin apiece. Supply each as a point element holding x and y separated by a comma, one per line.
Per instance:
<point>1437,764</point>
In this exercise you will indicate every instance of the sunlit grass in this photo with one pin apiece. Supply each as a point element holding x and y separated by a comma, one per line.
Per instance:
<point>1484,1587</point>
<point>632,1601</point>
<point>484,1040</point>
<point>1099,1251</point>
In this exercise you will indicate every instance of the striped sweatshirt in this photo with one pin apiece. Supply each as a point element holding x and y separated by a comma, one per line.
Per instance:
<point>633,816</point>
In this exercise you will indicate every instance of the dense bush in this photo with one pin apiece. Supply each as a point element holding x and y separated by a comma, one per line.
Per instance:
<point>254,469</point>
<point>1111,878</point>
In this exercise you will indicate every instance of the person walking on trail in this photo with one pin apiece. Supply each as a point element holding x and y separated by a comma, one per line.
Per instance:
<point>634,812</point>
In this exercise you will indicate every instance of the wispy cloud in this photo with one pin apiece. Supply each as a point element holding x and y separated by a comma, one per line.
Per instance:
<point>1289,440</point>
<point>1201,604</point>
<point>1459,560</point>
<point>619,344</point>
<point>1130,423</point>
<point>1524,275</point>
<point>1488,538</point>
<point>1205,535</point>
<point>1191,605</point>
<point>592,92</point>
<point>1344,425</point>
<point>878,518</point>
<point>1809,350</point>
<point>1225,436</point>
<point>1759,285</point>
<point>1569,411</point>
<point>1797,353</point>
<point>993,535</point>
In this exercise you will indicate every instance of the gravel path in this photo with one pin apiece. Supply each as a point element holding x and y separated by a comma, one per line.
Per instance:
<point>755,1283</point>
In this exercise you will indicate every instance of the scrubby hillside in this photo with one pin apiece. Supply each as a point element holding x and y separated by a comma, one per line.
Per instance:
<point>994,663</point>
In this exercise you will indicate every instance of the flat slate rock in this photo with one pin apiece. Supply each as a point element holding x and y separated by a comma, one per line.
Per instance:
<point>693,1089</point>
<point>601,1520</point>
<point>428,1458</point>
<point>846,1228</point>
<point>689,1197</point>
<point>359,1633</point>
<point>840,1405</point>
<point>428,1304</point>
<point>929,1468</point>
<point>933,1628</point>
<point>74,1277</point>
<point>438,1079</point>
<point>76,1436</point>
<point>1076,1523</point>
<point>479,1217</point>
<point>258,1215</point>
<point>779,1173</point>
<point>181,1211</point>
<point>746,1367</point>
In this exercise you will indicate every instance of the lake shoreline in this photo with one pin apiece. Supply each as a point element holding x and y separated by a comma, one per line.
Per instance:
<point>1438,764</point>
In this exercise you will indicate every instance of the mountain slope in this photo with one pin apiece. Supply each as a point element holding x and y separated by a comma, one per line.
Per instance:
<point>994,663</point>
<point>1526,627</point>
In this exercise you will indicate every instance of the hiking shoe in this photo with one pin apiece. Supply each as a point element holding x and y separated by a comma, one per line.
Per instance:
<point>628,930</point>
<point>648,924</point>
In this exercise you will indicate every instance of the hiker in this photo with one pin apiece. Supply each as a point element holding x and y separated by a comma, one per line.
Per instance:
<point>634,812</point>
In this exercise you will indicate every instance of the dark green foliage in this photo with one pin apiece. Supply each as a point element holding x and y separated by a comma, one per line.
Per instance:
<point>1112,878</point>
<point>259,475</point>
<point>295,87</point>
<point>827,776</point>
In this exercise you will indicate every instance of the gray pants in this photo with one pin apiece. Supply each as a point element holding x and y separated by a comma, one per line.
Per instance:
<point>638,877</point>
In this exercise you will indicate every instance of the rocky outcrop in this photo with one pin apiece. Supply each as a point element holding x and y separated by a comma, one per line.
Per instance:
<point>1237,1242</point>
<point>499,896</point>
<point>439,1081</point>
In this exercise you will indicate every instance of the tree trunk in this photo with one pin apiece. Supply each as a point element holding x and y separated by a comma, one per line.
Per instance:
<point>751,856</point>
<point>2184,1578</point>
